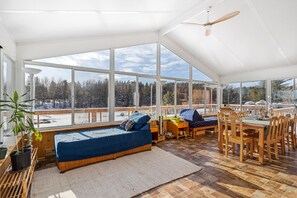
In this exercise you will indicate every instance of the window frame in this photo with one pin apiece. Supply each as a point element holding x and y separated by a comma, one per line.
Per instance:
<point>111,83</point>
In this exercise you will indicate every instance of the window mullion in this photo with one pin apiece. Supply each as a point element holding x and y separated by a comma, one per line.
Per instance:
<point>72,95</point>
<point>111,93</point>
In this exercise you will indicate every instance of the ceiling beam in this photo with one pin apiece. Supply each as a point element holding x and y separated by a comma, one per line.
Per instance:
<point>195,11</point>
<point>255,12</point>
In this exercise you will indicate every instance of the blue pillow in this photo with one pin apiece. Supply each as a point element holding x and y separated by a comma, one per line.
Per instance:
<point>135,114</point>
<point>191,115</point>
<point>140,120</point>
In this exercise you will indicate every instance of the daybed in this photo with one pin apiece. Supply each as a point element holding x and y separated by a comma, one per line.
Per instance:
<point>197,123</point>
<point>75,149</point>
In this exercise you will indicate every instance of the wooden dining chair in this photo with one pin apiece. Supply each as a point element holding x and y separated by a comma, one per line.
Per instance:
<point>286,131</point>
<point>271,138</point>
<point>293,131</point>
<point>280,133</point>
<point>223,127</point>
<point>237,137</point>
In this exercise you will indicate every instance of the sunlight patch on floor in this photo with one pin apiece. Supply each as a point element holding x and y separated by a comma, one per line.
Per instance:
<point>65,194</point>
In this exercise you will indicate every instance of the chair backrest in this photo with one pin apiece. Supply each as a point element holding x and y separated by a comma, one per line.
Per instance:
<point>281,127</point>
<point>243,114</point>
<point>236,125</point>
<point>226,112</point>
<point>287,123</point>
<point>294,124</point>
<point>272,129</point>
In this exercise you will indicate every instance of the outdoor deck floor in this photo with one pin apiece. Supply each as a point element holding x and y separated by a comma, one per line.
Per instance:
<point>227,177</point>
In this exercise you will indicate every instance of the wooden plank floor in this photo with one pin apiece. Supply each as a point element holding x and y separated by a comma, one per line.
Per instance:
<point>220,176</point>
<point>227,177</point>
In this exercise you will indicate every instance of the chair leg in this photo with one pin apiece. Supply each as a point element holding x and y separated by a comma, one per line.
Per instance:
<point>256,147</point>
<point>283,146</point>
<point>247,149</point>
<point>226,148</point>
<point>269,151</point>
<point>293,141</point>
<point>252,149</point>
<point>233,148</point>
<point>288,142</point>
<point>276,150</point>
<point>241,152</point>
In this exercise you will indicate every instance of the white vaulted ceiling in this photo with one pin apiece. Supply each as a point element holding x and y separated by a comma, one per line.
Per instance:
<point>35,20</point>
<point>261,37</point>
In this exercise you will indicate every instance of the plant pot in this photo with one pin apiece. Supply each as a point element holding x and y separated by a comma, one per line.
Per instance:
<point>3,151</point>
<point>21,159</point>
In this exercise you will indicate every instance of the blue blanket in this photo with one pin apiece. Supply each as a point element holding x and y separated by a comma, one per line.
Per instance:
<point>98,142</point>
<point>208,121</point>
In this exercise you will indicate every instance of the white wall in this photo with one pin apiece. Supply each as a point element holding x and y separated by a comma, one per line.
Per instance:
<point>7,42</point>
<point>36,50</point>
<point>264,74</point>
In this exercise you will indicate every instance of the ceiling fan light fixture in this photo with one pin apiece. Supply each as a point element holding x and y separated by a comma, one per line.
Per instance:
<point>207,30</point>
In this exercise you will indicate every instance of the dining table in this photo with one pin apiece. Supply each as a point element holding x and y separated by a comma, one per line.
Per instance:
<point>250,123</point>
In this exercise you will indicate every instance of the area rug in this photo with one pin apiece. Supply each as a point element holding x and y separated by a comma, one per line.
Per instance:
<point>123,177</point>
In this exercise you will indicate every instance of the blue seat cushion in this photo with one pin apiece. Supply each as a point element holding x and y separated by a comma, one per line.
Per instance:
<point>140,120</point>
<point>191,115</point>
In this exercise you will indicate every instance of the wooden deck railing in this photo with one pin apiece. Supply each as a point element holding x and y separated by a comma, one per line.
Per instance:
<point>96,114</point>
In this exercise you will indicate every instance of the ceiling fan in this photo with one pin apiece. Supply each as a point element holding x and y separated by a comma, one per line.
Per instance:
<point>209,24</point>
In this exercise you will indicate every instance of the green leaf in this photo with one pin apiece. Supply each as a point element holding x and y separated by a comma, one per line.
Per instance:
<point>24,94</point>
<point>24,105</point>
<point>25,101</point>
<point>4,101</point>
<point>15,96</point>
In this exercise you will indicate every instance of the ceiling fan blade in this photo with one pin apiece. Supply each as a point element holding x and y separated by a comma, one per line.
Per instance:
<point>190,23</point>
<point>226,17</point>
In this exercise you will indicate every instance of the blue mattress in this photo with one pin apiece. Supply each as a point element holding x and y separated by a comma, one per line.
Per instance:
<point>208,121</point>
<point>85,144</point>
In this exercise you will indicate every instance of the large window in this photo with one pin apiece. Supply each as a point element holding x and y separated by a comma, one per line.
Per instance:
<point>282,92</point>
<point>182,95</point>
<point>231,94</point>
<point>172,65</point>
<point>167,97</point>
<point>98,60</point>
<point>253,92</point>
<point>8,88</point>
<point>147,95</point>
<point>198,96</point>
<point>91,97</point>
<point>140,59</point>
<point>52,96</point>
<point>125,96</point>
<point>75,89</point>
<point>198,75</point>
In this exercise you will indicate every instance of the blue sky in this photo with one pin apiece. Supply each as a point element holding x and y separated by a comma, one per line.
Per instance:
<point>98,59</point>
<point>137,59</point>
<point>172,65</point>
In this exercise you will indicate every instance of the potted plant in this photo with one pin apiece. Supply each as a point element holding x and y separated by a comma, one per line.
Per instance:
<point>22,124</point>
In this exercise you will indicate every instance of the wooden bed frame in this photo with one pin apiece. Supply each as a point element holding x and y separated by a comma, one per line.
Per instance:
<point>201,130</point>
<point>64,166</point>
